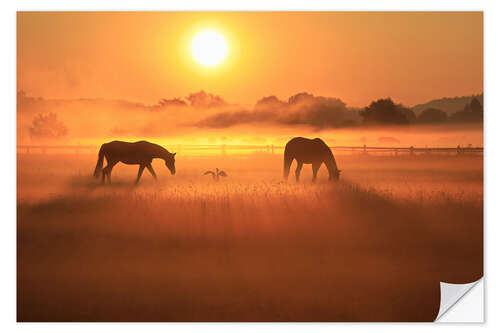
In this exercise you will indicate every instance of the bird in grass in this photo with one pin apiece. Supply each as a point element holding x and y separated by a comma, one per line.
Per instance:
<point>215,175</point>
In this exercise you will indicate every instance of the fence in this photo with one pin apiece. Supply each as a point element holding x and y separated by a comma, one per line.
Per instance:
<point>270,149</point>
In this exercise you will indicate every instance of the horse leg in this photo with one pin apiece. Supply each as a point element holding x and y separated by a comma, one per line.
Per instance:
<point>105,171</point>
<point>297,171</point>
<point>110,168</point>
<point>287,162</point>
<point>315,167</point>
<point>150,169</point>
<point>139,174</point>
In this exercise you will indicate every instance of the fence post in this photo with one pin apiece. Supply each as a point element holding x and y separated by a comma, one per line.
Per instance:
<point>272,149</point>
<point>364,149</point>
<point>458,150</point>
<point>412,151</point>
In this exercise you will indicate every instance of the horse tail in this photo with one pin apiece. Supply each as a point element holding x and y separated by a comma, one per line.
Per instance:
<point>287,162</point>
<point>100,160</point>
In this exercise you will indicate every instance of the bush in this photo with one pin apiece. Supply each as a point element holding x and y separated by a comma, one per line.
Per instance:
<point>47,126</point>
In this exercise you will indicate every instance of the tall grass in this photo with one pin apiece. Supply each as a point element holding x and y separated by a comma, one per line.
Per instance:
<point>372,247</point>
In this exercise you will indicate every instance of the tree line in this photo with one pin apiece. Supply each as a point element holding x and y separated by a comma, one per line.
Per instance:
<point>300,109</point>
<point>386,112</point>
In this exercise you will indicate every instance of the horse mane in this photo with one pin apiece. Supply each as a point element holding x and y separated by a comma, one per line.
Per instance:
<point>157,149</point>
<point>164,150</point>
<point>330,161</point>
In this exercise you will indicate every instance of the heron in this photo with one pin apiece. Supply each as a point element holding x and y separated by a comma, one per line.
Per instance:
<point>215,175</point>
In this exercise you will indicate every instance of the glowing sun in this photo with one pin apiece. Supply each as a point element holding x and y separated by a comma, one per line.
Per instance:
<point>209,48</point>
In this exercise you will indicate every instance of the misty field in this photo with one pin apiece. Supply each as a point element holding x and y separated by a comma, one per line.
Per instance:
<point>371,247</point>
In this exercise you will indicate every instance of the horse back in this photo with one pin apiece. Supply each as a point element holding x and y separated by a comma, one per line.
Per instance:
<point>307,150</point>
<point>129,152</point>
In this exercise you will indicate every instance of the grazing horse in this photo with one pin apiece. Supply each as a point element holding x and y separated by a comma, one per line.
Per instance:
<point>140,152</point>
<point>307,151</point>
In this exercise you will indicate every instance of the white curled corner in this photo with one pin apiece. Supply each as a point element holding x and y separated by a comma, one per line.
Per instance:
<point>451,293</point>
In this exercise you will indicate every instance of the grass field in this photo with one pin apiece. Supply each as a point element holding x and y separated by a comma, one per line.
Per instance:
<point>372,247</point>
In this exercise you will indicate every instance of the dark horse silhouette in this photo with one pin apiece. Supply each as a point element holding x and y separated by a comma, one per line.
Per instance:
<point>307,151</point>
<point>141,152</point>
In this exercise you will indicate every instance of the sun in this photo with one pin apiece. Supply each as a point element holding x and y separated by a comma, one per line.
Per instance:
<point>209,48</point>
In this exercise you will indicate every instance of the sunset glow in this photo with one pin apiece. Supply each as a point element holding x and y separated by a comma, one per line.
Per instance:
<point>209,48</point>
<point>70,55</point>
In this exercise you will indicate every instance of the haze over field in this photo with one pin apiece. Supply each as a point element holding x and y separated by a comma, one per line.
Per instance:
<point>205,118</point>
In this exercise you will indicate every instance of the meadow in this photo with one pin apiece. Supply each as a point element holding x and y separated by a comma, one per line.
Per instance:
<point>371,247</point>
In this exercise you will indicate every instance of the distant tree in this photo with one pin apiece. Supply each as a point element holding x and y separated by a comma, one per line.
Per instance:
<point>302,97</point>
<point>318,111</point>
<point>432,115</point>
<point>385,111</point>
<point>175,102</point>
<point>409,114</point>
<point>202,100</point>
<point>270,102</point>
<point>46,126</point>
<point>472,112</point>
<point>475,106</point>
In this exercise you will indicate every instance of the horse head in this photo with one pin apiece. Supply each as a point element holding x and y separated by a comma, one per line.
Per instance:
<point>170,162</point>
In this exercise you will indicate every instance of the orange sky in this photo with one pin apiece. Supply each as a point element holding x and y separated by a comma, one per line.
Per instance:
<point>358,57</point>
